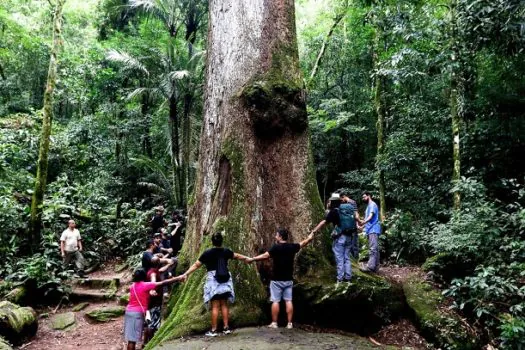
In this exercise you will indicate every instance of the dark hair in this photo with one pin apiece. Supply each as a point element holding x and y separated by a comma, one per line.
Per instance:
<point>283,233</point>
<point>366,193</point>
<point>139,275</point>
<point>216,239</point>
<point>149,243</point>
<point>335,203</point>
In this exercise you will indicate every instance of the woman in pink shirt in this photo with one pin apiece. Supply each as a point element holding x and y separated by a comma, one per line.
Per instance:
<point>139,294</point>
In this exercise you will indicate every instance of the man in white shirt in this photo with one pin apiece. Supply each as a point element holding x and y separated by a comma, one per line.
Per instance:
<point>71,246</point>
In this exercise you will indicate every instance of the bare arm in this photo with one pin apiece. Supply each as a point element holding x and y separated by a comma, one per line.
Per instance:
<point>260,257</point>
<point>192,268</point>
<point>319,226</point>
<point>171,280</point>
<point>307,240</point>
<point>240,257</point>
<point>62,245</point>
<point>79,243</point>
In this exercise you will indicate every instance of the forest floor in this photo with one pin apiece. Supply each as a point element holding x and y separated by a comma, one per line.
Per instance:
<point>86,335</point>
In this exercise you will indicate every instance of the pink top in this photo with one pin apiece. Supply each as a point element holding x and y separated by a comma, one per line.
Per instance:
<point>141,291</point>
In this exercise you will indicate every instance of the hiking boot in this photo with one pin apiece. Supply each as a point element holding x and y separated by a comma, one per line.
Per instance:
<point>212,333</point>
<point>226,330</point>
<point>289,325</point>
<point>273,325</point>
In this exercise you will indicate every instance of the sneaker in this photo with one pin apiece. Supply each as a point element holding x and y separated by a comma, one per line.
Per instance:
<point>289,325</point>
<point>273,325</point>
<point>211,333</point>
<point>226,330</point>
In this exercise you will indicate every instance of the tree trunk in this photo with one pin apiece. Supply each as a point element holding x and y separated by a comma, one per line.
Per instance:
<point>455,111</point>
<point>43,152</point>
<point>175,151</point>
<point>146,142</point>
<point>255,167</point>
<point>379,105</point>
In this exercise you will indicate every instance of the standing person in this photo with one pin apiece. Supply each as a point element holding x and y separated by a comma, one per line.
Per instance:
<point>372,230</point>
<point>218,288</point>
<point>139,294</point>
<point>282,254</point>
<point>343,216</point>
<point>157,221</point>
<point>354,244</point>
<point>71,247</point>
<point>152,324</point>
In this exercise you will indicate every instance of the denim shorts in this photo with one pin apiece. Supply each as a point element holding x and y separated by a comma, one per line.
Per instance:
<point>280,290</point>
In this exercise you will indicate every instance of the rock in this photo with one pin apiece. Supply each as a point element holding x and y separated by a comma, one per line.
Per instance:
<point>124,299</point>
<point>105,314</point>
<point>262,338</point>
<point>121,267</point>
<point>80,307</point>
<point>44,315</point>
<point>362,306</point>
<point>4,345</point>
<point>17,295</point>
<point>17,324</point>
<point>99,283</point>
<point>63,321</point>
<point>438,325</point>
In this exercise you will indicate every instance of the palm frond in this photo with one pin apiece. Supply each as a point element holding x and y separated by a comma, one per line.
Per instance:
<point>128,62</point>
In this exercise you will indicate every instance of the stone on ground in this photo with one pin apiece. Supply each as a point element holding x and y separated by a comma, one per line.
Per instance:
<point>362,306</point>
<point>17,324</point>
<point>17,295</point>
<point>438,325</point>
<point>80,307</point>
<point>105,314</point>
<point>263,338</point>
<point>124,299</point>
<point>63,321</point>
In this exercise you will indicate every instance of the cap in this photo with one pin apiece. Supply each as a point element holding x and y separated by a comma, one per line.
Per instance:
<point>335,196</point>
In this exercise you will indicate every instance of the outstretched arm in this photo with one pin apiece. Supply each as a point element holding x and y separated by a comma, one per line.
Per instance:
<point>192,268</point>
<point>319,226</point>
<point>240,257</point>
<point>259,257</point>
<point>307,240</point>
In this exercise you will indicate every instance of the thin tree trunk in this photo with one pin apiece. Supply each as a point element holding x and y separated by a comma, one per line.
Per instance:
<point>317,63</point>
<point>379,105</point>
<point>146,142</point>
<point>455,110</point>
<point>43,152</point>
<point>175,151</point>
<point>255,166</point>
<point>2,73</point>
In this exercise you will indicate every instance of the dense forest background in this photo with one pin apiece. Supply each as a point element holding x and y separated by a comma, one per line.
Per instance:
<point>420,102</point>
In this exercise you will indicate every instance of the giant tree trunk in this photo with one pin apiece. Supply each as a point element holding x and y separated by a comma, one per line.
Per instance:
<point>43,152</point>
<point>255,166</point>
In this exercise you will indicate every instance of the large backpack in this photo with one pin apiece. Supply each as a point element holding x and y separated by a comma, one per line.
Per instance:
<point>222,275</point>
<point>347,223</point>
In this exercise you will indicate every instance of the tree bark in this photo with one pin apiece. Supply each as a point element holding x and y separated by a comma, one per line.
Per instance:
<point>175,149</point>
<point>43,152</point>
<point>255,165</point>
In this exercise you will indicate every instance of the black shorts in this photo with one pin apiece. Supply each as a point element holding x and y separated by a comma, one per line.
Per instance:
<point>223,296</point>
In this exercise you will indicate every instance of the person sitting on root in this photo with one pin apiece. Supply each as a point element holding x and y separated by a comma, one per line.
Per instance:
<point>282,254</point>
<point>218,288</point>
<point>139,294</point>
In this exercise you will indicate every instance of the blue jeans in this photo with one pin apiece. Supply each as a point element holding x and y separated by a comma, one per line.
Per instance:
<point>341,248</point>
<point>373,252</point>
<point>354,247</point>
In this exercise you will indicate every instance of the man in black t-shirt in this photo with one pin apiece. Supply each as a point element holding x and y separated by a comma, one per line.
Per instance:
<point>282,254</point>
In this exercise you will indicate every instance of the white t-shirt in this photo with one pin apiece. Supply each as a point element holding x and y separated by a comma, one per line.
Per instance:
<point>71,238</point>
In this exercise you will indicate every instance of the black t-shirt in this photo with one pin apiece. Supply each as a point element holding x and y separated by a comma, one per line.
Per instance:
<point>146,260</point>
<point>157,222</point>
<point>283,255</point>
<point>211,256</point>
<point>333,217</point>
